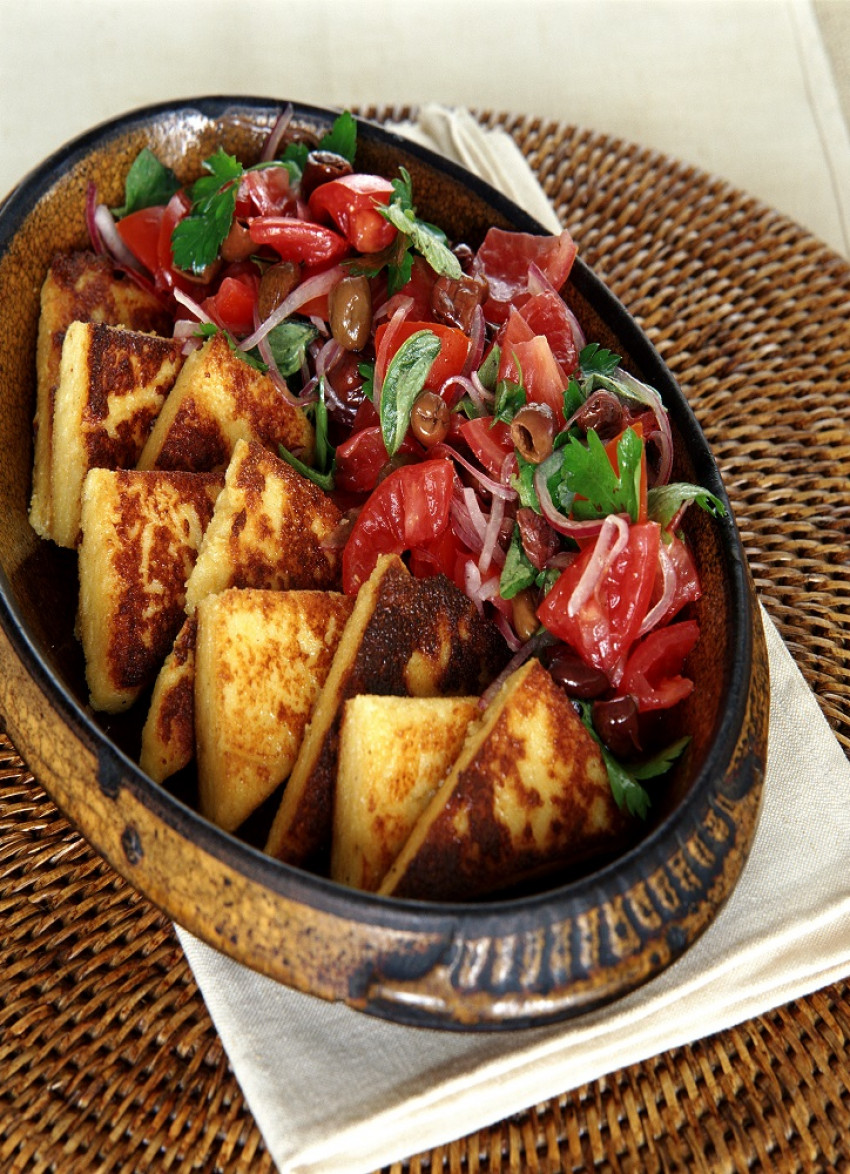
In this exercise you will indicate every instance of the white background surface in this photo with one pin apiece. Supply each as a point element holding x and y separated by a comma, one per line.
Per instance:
<point>741,88</point>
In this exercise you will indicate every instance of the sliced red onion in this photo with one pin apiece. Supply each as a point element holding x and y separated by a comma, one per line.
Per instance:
<point>276,133</point>
<point>486,482</point>
<point>657,613</point>
<point>562,523</point>
<point>91,219</point>
<point>453,389</point>
<point>522,653</point>
<point>644,394</point>
<point>312,287</point>
<point>328,356</point>
<point>192,306</point>
<point>491,551</point>
<point>611,542</point>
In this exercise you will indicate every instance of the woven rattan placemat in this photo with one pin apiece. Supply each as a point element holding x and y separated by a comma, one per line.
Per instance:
<point>108,1058</point>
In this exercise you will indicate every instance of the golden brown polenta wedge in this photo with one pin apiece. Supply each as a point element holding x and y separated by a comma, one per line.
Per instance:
<point>268,530</point>
<point>262,657</point>
<point>219,399</point>
<point>168,737</point>
<point>79,287</point>
<point>141,533</point>
<point>528,794</point>
<point>112,385</point>
<point>393,754</point>
<point>406,636</point>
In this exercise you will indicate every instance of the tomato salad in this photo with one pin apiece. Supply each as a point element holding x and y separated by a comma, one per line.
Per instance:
<point>462,418</point>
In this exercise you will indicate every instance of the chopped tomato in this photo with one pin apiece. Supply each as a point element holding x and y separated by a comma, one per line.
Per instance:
<point>489,440</point>
<point>350,203</point>
<point>444,554</point>
<point>232,306</point>
<point>685,579</point>
<point>504,259</point>
<point>418,288</point>
<point>515,330</point>
<point>545,313</point>
<point>542,378</point>
<point>360,459</point>
<point>266,192</point>
<point>454,347</point>
<point>653,672</point>
<point>140,233</point>
<point>167,276</point>
<point>409,509</point>
<point>602,623</point>
<point>292,239</point>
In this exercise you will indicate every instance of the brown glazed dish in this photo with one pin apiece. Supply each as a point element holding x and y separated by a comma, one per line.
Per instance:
<point>536,958</point>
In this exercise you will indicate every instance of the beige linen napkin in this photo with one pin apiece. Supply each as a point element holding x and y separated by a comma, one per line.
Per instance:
<point>333,1090</point>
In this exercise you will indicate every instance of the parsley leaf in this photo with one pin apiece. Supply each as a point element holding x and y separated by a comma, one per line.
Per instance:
<point>197,238</point>
<point>489,369</point>
<point>342,137</point>
<point>523,482</point>
<point>518,573</point>
<point>587,472</point>
<point>403,381</point>
<point>510,397</point>
<point>596,360</point>
<point>425,238</point>
<point>367,373</point>
<point>148,183</point>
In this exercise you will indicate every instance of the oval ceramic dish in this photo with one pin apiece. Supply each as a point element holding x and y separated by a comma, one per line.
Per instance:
<point>505,964</point>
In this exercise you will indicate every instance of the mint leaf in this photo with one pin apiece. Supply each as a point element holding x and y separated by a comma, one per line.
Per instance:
<point>424,239</point>
<point>148,183</point>
<point>665,501</point>
<point>208,329</point>
<point>325,453</point>
<point>288,342</point>
<point>367,373</point>
<point>489,370</point>
<point>403,382</point>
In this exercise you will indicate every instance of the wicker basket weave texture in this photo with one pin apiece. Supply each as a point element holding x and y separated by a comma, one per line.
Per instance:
<point>109,1058</point>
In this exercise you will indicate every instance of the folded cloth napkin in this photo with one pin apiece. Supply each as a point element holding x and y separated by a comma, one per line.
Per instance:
<point>333,1090</point>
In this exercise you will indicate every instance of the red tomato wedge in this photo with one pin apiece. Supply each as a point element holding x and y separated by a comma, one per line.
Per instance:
<point>504,259</point>
<point>350,203</point>
<point>542,378</point>
<point>309,244</point>
<point>598,604</point>
<point>266,192</point>
<point>140,233</point>
<point>232,305</point>
<point>409,509</point>
<point>545,313</point>
<point>454,347</point>
<point>489,442</point>
<point>653,672</point>
<point>361,457</point>
<point>418,288</point>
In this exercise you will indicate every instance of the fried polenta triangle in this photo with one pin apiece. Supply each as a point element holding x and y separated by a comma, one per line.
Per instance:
<point>112,385</point>
<point>219,399</point>
<point>393,754</point>
<point>268,530</point>
<point>79,287</point>
<point>168,737</point>
<point>261,659</point>
<point>405,637</point>
<point>528,794</point>
<point>141,534</point>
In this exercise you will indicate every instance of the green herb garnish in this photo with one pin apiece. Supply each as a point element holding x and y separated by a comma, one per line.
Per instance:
<point>586,472</point>
<point>148,184</point>
<point>665,501</point>
<point>404,380</point>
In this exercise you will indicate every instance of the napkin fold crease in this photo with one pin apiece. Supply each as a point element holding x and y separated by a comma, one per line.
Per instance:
<point>338,1092</point>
